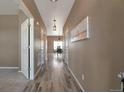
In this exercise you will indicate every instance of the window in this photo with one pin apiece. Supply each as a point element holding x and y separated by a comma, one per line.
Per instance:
<point>58,43</point>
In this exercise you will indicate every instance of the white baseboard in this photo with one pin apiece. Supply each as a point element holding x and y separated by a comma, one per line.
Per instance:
<point>76,79</point>
<point>20,71</point>
<point>9,67</point>
<point>37,72</point>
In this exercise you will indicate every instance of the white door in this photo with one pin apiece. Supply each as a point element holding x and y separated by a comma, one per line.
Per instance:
<point>25,48</point>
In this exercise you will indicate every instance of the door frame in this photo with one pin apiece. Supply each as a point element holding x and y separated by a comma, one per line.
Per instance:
<point>30,48</point>
<point>25,51</point>
<point>23,7</point>
<point>66,48</point>
<point>31,21</point>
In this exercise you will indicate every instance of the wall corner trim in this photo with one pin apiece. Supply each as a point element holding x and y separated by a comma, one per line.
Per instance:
<point>76,79</point>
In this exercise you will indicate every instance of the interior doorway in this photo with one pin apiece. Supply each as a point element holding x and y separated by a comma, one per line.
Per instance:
<point>25,62</point>
<point>57,44</point>
<point>27,48</point>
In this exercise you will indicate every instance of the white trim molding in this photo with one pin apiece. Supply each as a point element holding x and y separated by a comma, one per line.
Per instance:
<point>9,67</point>
<point>76,79</point>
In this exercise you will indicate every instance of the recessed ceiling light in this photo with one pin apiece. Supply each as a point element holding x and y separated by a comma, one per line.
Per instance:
<point>53,0</point>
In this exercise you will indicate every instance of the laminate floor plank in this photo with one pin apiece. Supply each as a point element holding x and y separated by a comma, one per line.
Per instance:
<point>55,78</point>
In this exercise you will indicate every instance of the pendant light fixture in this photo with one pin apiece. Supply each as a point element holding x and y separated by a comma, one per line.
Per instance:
<point>54,24</point>
<point>54,20</point>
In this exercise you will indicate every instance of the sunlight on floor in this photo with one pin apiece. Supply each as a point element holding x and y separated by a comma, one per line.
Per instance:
<point>57,61</point>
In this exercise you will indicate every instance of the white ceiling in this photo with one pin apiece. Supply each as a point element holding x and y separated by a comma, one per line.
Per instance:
<point>58,10</point>
<point>8,7</point>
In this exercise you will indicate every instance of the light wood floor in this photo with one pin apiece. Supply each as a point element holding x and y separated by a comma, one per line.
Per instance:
<point>55,78</point>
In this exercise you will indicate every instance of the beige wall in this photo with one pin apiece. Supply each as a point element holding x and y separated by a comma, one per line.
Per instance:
<point>101,57</point>
<point>30,4</point>
<point>50,42</point>
<point>37,46</point>
<point>8,41</point>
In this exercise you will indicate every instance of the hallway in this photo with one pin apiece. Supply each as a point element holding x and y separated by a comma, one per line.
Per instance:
<point>89,34</point>
<point>55,78</point>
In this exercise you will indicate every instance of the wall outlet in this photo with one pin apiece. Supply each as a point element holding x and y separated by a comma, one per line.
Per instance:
<point>83,77</point>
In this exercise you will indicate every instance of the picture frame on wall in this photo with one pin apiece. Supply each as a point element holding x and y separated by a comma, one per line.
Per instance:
<point>81,31</point>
